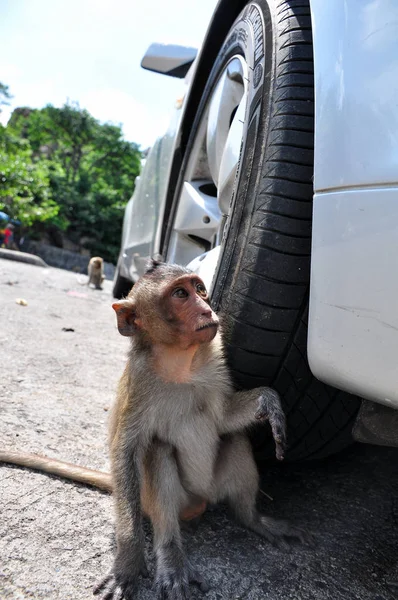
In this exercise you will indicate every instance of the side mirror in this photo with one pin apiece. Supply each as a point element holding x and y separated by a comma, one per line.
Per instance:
<point>169,59</point>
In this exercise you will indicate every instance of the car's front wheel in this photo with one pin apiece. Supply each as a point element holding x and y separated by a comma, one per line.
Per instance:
<point>242,216</point>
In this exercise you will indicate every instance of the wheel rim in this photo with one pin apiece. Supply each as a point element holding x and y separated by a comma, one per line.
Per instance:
<point>207,195</point>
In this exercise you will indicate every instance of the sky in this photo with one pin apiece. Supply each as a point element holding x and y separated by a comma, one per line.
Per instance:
<point>89,51</point>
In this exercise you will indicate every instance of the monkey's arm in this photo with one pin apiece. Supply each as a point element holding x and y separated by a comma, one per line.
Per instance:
<point>260,404</point>
<point>127,466</point>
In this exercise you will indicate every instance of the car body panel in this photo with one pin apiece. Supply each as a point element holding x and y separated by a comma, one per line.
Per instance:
<point>141,216</point>
<point>353,320</point>
<point>353,326</point>
<point>356,91</point>
<point>142,223</point>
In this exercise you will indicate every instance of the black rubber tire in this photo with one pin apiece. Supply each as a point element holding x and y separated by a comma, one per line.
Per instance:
<point>121,285</point>
<point>263,281</point>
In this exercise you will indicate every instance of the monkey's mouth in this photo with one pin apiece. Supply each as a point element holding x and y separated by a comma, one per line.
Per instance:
<point>207,326</point>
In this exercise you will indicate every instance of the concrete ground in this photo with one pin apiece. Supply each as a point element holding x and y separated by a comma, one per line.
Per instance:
<point>56,537</point>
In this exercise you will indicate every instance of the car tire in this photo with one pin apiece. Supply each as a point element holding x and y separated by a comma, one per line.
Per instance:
<point>121,285</point>
<point>262,282</point>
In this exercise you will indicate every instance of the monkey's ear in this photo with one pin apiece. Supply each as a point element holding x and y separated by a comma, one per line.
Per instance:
<point>126,316</point>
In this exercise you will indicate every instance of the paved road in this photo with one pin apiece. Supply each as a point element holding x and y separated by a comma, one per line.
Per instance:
<point>56,537</point>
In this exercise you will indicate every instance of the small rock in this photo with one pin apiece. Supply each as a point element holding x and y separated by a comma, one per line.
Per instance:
<point>21,301</point>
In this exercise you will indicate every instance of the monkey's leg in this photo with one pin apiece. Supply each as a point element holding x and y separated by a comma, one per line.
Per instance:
<point>129,562</point>
<point>167,499</point>
<point>237,481</point>
<point>96,280</point>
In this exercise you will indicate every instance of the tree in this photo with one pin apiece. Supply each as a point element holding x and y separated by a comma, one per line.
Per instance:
<point>25,191</point>
<point>90,169</point>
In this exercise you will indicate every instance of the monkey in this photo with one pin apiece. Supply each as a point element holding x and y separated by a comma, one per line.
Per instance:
<point>177,435</point>
<point>95,272</point>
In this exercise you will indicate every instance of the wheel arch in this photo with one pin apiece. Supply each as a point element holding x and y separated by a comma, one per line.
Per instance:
<point>223,17</point>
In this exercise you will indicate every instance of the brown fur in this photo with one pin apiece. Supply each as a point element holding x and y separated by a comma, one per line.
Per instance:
<point>58,467</point>
<point>95,271</point>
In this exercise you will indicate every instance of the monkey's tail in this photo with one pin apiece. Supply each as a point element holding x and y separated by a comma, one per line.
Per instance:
<point>63,469</point>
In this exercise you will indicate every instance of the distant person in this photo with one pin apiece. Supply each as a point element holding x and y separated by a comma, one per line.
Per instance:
<point>9,241</point>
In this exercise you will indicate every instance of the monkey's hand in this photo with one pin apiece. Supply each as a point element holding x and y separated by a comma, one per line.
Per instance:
<point>122,581</point>
<point>270,409</point>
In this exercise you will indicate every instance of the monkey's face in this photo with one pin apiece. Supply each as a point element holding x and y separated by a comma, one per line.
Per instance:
<point>184,303</point>
<point>172,310</point>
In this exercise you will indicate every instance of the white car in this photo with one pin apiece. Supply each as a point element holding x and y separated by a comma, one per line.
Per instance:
<point>277,181</point>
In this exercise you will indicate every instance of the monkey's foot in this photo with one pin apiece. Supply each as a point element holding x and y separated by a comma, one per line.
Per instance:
<point>114,587</point>
<point>270,409</point>
<point>278,532</point>
<point>109,589</point>
<point>174,585</point>
<point>196,578</point>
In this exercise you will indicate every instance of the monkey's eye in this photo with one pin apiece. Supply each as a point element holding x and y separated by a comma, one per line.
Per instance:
<point>180,293</point>
<point>200,288</point>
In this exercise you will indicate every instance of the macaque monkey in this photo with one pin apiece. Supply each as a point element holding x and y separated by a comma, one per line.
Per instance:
<point>177,434</point>
<point>95,271</point>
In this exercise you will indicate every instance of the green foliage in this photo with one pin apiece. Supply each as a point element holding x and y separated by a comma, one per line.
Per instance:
<point>25,191</point>
<point>69,172</point>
